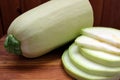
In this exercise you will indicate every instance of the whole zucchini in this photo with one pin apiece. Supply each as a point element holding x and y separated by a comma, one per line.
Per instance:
<point>48,26</point>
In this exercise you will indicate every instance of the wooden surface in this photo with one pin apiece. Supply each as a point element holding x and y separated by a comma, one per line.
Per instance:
<point>29,4</point>
<point>1,28</point>
<point>9,11</point>
<point>97,9</point>
<point>47,67</point>
<point>111,13</point>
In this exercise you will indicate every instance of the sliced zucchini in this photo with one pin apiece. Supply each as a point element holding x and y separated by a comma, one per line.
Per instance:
<point>88,66</point>
<point>101,57</point>
<point>75,72</point>
<point>88,42</point>
<point>105,34</point>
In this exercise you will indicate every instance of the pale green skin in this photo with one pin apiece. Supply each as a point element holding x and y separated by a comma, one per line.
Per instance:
<point>51,25</point>
<point>77,73</point>
<point>101,57</point>
<point>89,66</point>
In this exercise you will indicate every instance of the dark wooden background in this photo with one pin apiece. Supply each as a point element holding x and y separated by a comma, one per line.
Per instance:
<point>106,12</point>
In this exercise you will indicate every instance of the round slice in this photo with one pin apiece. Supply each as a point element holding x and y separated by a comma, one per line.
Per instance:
<point>78,74</point>
<point>105,34</point>
<point>101,57</point>
<point>88,42</point>
<point>88,66</point>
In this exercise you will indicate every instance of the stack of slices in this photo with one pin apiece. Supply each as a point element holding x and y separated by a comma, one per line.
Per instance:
<point>95,55</point>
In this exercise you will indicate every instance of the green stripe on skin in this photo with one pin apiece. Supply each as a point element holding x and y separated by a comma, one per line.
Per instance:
<point>12,45</point>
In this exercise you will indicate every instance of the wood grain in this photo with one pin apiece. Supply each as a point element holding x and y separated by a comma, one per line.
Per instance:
<point>29,4</point>
<point>9,11</point>
<point>1,28</point>
<point>97,9</point>
<point>47,67</point>
<point>111,13</point>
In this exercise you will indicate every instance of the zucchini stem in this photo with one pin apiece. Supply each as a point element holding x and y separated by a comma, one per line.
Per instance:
<point>12,45</point>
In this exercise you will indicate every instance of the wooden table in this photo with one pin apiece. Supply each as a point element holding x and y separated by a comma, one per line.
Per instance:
<point>47,67</point>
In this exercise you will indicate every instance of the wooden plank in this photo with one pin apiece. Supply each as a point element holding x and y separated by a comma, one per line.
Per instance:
<point>97,8</point>
<point>111,13</point>
<point>1,28</point>
<point>47,67</point>
<point>9,10</point>
<point>29,4</point>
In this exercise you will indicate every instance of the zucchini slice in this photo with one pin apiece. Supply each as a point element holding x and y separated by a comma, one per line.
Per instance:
<point>89,66</point>
<point>101,57</point>
<point>91,43</point>
<point>75,72</point>
<point>105,34</point>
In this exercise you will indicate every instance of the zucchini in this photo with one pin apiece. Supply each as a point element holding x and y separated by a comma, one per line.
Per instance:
<point>89,66</point>
<point>95,52</point>
<point>104,34</point>
<point>77,73</point>
<point>91,43</point>
<point>48,26</point>
<point>101,57</point>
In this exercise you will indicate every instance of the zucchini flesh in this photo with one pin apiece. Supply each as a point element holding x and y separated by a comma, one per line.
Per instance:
<point>89,66</point>
<point>107,35</point>
<point>101,57</point>
<point>92,54</point>
<point>50,25</point>
<point>91,43</point>
<point>72,70</point>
